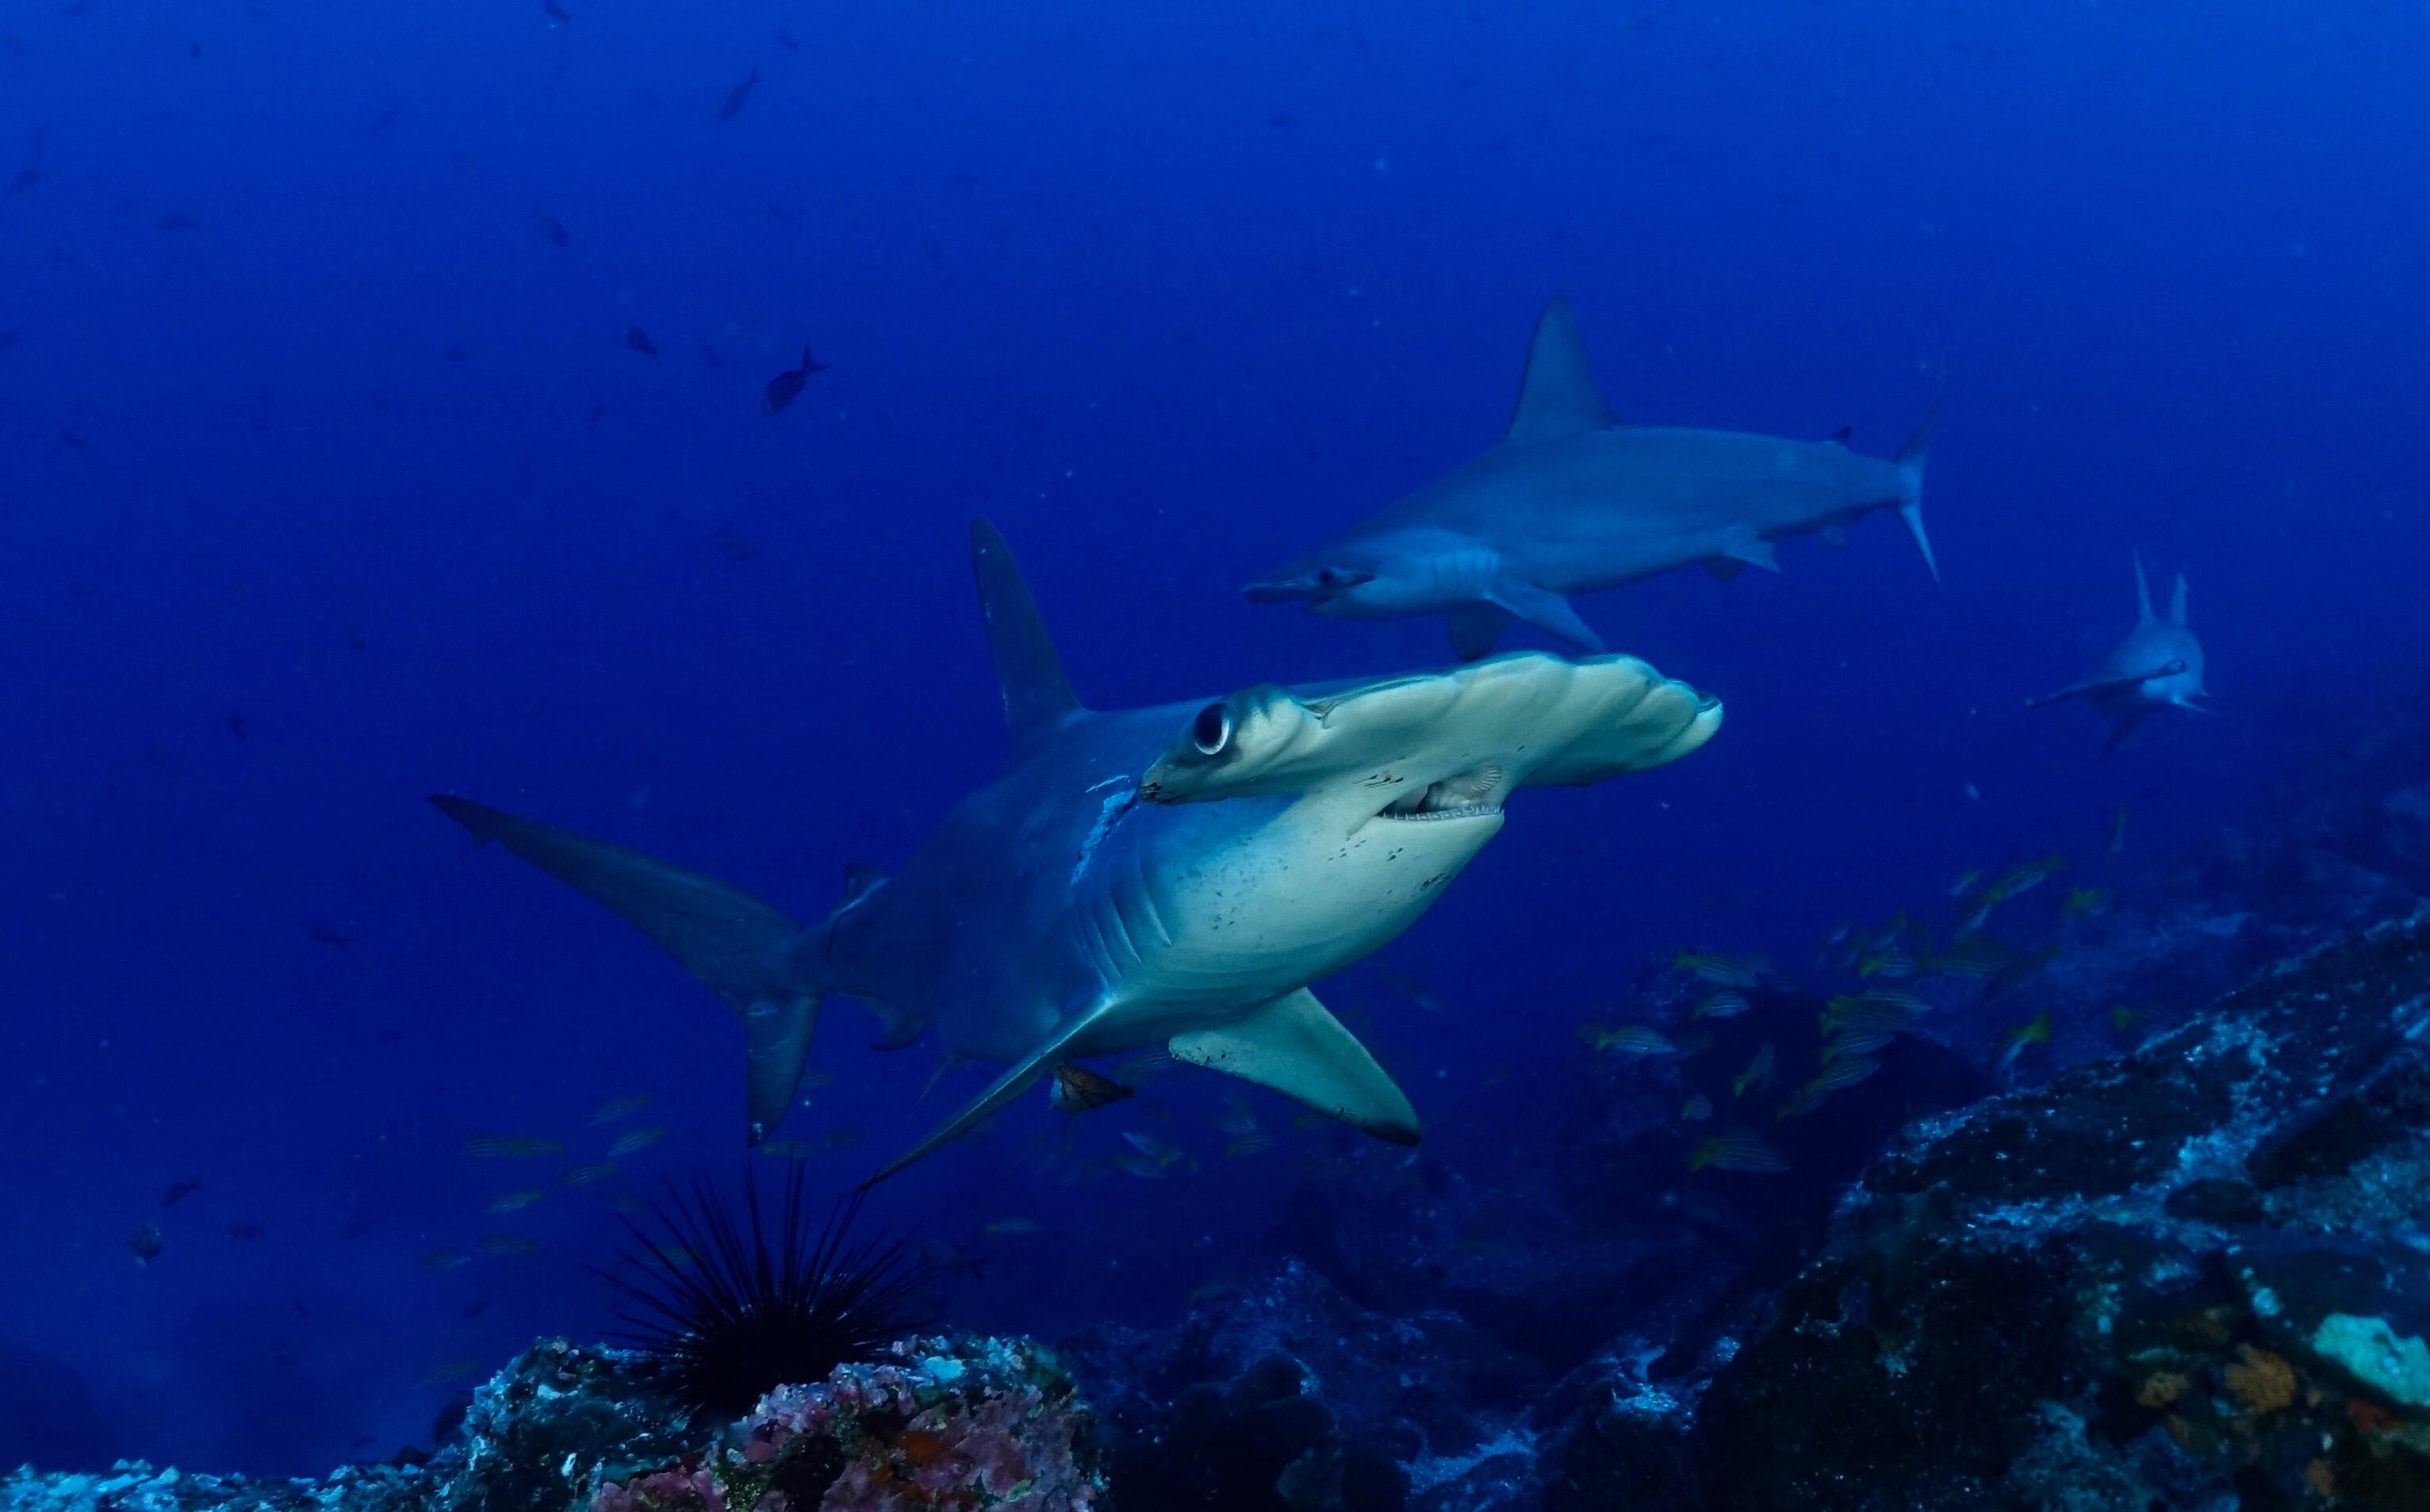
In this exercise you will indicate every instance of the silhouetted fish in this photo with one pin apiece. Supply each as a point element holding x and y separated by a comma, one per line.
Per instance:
<point>787,386</point>
<point>458,352</point>
<point>640,340</point>
<point>174,221</point>
<point>476,1307</point>
<point>555,12</point>
<point>178,1192</point>
<point>237,726</point>
<point>737,97</point>
<point>381,122</point>
<point>145,1244</point>
<point>551,227</point>
<point>244,1229</point>
<point>327,936</point>
<point>25,179</point>
<point>8,339</point>
<point>74,438</point>
<point>790,42</point>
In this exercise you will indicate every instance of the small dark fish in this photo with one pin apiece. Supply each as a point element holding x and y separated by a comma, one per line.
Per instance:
<point>8,339</point>
<point>598,413</point>
<point>459,353</point>
<point>638,340</point>
<point>737,97</point>
<point>245,1229</point>
<point>74,438</point>
<point>145,1244</point>
<point>328,936</point>
<point>174,221</point>
<point>381,122</point>
<point>553,228</point>
<point>178,1192</point>
<point>1078,1089</point>
<point>236,726</point>
<point>357,643</point>
<point>555,12</point>
<point>946,1258</point>
<point>194,49</point>
<point>790,42</point>
<point>13,44</point>
<point>787,386</point>
<point>476,1307</point>
<point>2019,971</point>
<point>1282,123</point>
<point>708,355</point>
<point>25,179</point>
<point>357,1227</point>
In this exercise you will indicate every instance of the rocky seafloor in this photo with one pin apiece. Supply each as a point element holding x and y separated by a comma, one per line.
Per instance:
<point>2189,1274</point>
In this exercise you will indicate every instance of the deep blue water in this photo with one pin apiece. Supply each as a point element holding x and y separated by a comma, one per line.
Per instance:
<point>1170,293</point>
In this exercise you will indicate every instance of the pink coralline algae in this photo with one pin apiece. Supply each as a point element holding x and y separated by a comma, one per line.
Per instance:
<point>971,1423</point>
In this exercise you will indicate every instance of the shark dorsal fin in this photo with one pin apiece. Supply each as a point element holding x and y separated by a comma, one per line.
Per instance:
<point>1557,398</point>
<point>2143,614</point>
<point>1036,693</point>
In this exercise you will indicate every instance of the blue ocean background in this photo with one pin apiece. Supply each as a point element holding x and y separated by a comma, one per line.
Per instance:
<point>351,491</point>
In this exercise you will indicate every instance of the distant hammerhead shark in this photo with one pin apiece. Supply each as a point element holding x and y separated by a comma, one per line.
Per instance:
<point>1573,501</point>
<point>1169,876</point>
<point>2159,665</point>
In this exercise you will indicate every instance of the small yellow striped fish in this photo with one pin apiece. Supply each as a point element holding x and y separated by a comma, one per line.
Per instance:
<point>1735,1151</point>
<point>1757,1072</point>
<point>511,1201</point>
<point>444,1260</point>
<point>638,1139</point>
<point>1627,1040</point>
<point>1726,1004</point>
<point>510,1146</point>
<point>619,1107</point>
<point>584,1176</point>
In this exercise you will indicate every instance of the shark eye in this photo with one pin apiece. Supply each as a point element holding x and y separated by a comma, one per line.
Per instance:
<point>1211,731</point>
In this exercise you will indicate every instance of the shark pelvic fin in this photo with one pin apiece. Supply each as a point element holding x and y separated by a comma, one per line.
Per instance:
<point>1001,1092</point>
<point>1756,552</point>
<point>1294,1046</point>
<point>1557,396</point>
<point>1037,695</point>
<point>746,950</point>
<point>1474,628</point>
<point>1546,611</point>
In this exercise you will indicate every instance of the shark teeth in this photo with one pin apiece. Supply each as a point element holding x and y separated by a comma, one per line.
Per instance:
<point>1463,796</point>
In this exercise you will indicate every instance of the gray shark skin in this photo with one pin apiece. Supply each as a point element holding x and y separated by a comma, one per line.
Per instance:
<point>1169,876</point>
<point>2159,665</point>
<point>1573,501</point>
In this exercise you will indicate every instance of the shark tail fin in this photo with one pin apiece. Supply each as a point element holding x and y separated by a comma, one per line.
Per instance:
<point>1037,695</point>
<point>1910,466</point>
<point>746,950</point>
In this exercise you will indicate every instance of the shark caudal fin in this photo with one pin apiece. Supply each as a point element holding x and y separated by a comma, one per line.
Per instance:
<point>1910,466</point>
<point>1557,394</point>
<point>746,950</point>
<point>1037,695</point>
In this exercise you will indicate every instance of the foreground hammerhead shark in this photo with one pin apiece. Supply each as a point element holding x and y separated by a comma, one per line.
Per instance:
<point>1169,876</point>
<point>2159,665</point>
<point>1573,501</point>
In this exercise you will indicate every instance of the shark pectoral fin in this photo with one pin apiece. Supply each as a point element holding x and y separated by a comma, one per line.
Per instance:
<point>1723,569</point>
<point>1294,1046</point>
<point>779,1036</point>
<point>1546,611</point>
<point>2127,724</point>
<point>1024,1076</point>
<point>1755,552</point>
<point>1474,628</point>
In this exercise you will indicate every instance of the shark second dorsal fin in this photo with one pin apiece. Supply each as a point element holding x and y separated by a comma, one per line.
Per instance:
<point>1557,397</point>
<point>1294,1046</point>
<point>1036,693</point>
<point>2143,614</point>
<point>2177,603</point>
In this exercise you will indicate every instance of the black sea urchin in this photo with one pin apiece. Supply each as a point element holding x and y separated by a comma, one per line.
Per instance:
<point>725,1317</point>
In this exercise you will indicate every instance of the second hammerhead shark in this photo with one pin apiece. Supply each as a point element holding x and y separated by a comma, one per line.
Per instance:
<point>2159,665</point>
<point>1572,500</point>
<point>1172,876</point>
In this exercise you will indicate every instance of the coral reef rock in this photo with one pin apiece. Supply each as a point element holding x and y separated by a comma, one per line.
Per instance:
<point>963,1423</point>
<point>2192,1277</point>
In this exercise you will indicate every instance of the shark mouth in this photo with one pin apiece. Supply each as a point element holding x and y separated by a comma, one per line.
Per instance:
<point>1469,795</point>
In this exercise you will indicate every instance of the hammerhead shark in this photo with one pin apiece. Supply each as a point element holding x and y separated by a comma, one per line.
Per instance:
<point>1573,501</point>
<point>2159,665</point>
<point>1170,877</point>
